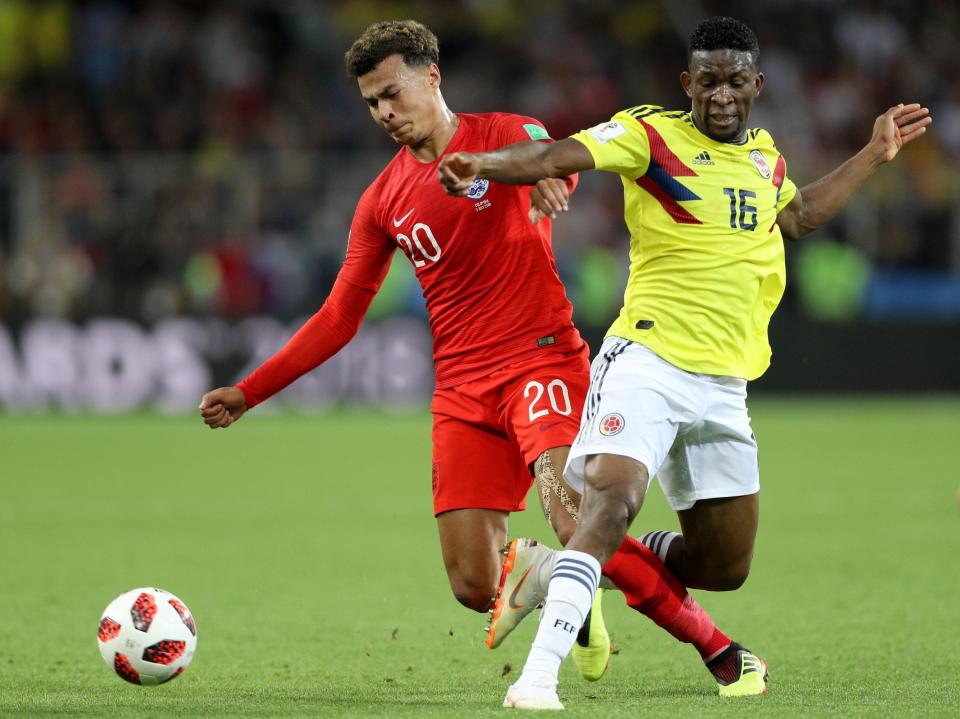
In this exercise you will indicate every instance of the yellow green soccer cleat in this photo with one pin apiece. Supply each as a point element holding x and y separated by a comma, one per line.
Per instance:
<point>739,672</point>
<point>520,590</point>
<point>591,651</point>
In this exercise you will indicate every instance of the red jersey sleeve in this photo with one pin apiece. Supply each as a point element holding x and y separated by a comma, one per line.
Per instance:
<point>519,128</point>
<point>369,251</point>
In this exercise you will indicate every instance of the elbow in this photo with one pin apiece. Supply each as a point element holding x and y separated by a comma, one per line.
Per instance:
<point>790,233</point>
<point>793,229</point>
<point>800,230</point>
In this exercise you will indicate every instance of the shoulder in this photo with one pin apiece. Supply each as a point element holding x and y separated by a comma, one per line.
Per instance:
<point>398,167</point>
<point>639,119</point>
<point>656,113</point>
<point>500,118</point>
<point>514,126</point>
<point>371,202</point>
<point>640,123</point>
<point>368,206</point>
<point>496,129</point>
<point>761,139</point>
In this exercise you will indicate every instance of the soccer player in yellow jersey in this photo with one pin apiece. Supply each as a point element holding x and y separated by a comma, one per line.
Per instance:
<point>708,202</point>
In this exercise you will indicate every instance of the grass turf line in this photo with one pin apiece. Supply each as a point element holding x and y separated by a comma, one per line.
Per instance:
<point>306,548</point>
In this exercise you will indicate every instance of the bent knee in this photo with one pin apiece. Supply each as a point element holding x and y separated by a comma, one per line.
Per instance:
<point>732,580</point>
<point>472,592</point>
<point>617,478</point>
<point>612,471</point>
<point>723,578</point>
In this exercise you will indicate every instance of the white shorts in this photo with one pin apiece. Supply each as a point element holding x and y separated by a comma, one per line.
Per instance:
<point>690,430</point>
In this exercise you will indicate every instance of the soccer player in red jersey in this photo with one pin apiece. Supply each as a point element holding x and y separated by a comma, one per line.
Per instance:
<point>511,368</point>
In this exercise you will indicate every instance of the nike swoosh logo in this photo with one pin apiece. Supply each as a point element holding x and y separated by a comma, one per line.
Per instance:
<point>397,223</point>
<point>511,600</point>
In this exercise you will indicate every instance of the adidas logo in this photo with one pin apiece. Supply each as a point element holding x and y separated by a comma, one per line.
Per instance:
<point>703,159</point>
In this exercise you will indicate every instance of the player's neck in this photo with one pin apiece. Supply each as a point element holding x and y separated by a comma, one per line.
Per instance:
<point>435,144</point>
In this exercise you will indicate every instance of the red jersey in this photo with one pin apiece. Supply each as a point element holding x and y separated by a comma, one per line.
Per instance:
<point>488,274</point>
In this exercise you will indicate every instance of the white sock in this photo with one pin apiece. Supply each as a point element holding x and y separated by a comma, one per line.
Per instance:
<point>569,596</point>
<point>659,542</point>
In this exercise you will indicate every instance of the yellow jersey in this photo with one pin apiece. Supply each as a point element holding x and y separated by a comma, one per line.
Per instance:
<point>706,254</point>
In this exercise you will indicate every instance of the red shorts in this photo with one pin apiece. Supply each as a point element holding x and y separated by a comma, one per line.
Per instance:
<point>487,433</point>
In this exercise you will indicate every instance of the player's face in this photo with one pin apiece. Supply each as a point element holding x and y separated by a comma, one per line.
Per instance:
<point>722,85</point>
<point>403,100</point>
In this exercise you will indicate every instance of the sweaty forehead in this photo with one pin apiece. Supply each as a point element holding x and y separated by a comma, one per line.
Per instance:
<point>721,62</point>
<point>390,70</point>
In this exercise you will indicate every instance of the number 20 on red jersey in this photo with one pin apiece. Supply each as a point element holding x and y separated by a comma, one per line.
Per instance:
<point>421,245</point>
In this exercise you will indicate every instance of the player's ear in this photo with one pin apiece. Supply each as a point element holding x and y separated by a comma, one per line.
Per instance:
<point>758,82</point>
<point>433,75</point>
<point>686,81</point>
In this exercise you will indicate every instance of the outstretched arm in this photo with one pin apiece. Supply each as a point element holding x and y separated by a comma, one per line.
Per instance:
<point>819,201</point>
<point>318,340</point>
<point>369,252</point>
<point>523,163</point>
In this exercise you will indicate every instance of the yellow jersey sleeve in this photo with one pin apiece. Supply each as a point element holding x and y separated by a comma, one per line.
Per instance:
<point>787,192</point>
<point>619,145</point>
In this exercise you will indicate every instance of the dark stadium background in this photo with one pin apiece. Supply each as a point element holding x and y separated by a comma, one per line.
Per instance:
<point>177,180</point>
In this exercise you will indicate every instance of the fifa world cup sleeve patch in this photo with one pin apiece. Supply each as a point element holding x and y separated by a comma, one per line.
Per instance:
<point>536,132</point>
<point>606,131</point>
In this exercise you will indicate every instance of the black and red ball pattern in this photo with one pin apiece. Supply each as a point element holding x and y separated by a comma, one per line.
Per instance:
<point>184,615</point>
<point>108,629</point>
<point>166,651</point>
<point>123,667</point>
<point>143,611</point>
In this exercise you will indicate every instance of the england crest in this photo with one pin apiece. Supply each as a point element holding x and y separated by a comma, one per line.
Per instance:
<point>478,189</point>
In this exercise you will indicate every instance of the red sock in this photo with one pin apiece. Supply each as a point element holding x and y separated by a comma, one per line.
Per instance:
<point>652,590</point>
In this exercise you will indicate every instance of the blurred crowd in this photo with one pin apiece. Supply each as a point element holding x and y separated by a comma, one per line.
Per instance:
<point>163,158</point>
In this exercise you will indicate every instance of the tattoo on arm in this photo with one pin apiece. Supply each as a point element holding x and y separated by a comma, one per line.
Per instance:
<point>548,482</point>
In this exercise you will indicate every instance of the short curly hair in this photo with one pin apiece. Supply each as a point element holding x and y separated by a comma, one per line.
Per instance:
<point>408,38</point>
<point>724,33</point>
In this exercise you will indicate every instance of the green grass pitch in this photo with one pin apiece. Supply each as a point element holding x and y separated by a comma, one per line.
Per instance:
<point>306,548</point>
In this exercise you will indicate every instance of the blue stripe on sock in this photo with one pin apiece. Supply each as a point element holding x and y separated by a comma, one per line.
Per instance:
<point>578,578</point>
<point>588,576</point>
<point>578,566</point>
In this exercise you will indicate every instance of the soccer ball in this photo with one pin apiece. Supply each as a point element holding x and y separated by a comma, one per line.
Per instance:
<point>147,636</point>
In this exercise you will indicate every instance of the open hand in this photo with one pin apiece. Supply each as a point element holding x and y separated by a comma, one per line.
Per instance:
<point>457,172</point>
<point>222,407</point>
<point>898,126</point>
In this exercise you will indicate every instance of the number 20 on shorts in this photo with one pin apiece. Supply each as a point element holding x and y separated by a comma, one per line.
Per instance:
<point>557,396</point>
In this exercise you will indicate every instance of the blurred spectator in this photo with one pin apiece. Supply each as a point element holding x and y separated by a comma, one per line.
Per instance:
<point>164,158</point>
